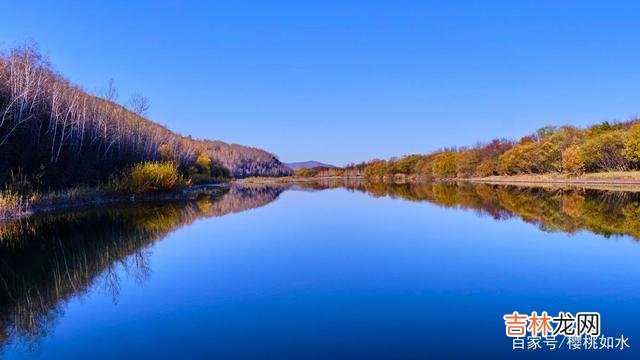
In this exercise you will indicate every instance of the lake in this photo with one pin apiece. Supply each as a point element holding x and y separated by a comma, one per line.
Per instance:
<point>320,270</point>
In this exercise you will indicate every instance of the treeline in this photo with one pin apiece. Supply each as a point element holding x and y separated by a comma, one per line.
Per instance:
<point>55,134</point>
<point>351,170</point>
<point>567,149</point>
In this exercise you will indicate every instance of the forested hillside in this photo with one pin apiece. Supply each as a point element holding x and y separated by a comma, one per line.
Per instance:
<point>55,134</point>
<point>551,150</point>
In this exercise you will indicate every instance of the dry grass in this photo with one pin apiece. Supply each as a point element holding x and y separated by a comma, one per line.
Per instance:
<point>614,175</point>
<point>614,180</point>
<point>148,177</point>
<point>11,204</point>
<point>622,177</point>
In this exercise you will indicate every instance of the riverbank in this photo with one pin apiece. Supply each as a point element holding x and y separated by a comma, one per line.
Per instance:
<point>619,180</point>
<point>95,196</point>
<point>293,179</point>
<point>616,179</point>
<point>602,178</point>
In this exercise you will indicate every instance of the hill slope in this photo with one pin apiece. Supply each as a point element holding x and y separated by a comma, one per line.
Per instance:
<point>54,134</point>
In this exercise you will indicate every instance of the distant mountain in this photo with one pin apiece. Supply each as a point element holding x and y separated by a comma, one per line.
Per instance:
<point>307,165</point>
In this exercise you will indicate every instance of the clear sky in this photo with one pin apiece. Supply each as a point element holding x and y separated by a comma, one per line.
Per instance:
<point>345,81</point>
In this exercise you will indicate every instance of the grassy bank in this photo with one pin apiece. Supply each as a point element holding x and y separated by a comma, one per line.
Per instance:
<point>614,180</point>
<point>141,182</point>
<point>609,178</point>
<point>13,206</point>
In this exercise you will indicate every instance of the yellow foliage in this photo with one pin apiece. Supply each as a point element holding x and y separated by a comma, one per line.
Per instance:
<point>11,203</point>
<point>486,168</point>
<point>444,165</point>
<point>203,162</point>
<point>303,172</point>
<point>572,161</point>
<point>154,176</point>
<point>148,177</point>
<point>631,149</point>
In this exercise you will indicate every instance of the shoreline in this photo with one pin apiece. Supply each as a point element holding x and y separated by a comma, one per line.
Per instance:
<point>618,181</point>
<point>291,179</point>
<point>614,180</point>
<point>107,199</point>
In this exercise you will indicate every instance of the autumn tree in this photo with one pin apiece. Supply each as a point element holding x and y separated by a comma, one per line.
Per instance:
<point>203,163</point>
<point>631,150</point>
<point>405,165</point>
<point>376,169</point>
<point>572,161</point>
<point>467,163</point>
<point>444,165</point>
<point>604,152</point>
<point>488,167</point>
<point>518,159</point>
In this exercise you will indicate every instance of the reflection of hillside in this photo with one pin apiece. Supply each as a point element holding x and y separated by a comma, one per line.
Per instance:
<point>321,184</point>
<point>605,212</point>
<point>245,197</point>
<point>46,260</point>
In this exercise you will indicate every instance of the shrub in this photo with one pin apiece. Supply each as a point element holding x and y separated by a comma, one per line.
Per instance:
<point>631,149</point>
<point>207,171</point>
<point>468,161</point>
<point>518,159</point>
<point>444,165</point>
<point>219,171</point>
<point>155,176</point>
<point>604,152</point>
<point>424,166</point>
<point>203,163</point>
<point>376,169</point>
<point>486,168</point>
<point>406,165</point>
<point>148,177</point>
<point>11,204</point>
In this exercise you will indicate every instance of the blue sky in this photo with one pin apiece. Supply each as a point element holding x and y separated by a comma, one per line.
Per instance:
<point>345,81</point>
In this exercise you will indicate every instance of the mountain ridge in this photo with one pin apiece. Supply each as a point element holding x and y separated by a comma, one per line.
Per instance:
<point>309,164</point>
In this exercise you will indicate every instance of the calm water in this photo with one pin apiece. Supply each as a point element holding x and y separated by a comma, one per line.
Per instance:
<point>359,271</point>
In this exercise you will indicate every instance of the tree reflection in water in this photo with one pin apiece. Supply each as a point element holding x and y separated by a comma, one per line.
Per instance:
<point>605,212</point>
<point>47,260</point>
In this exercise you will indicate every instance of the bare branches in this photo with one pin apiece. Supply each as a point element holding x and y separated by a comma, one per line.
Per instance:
<point>139,104</point>
<point>110,93</point>
<point>45,121</point>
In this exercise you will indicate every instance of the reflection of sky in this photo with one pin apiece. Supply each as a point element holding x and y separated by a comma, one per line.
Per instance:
<point>335,274</point>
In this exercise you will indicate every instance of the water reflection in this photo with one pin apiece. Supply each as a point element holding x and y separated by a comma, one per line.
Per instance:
<point>568,209</point>
<point>47,260</point>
